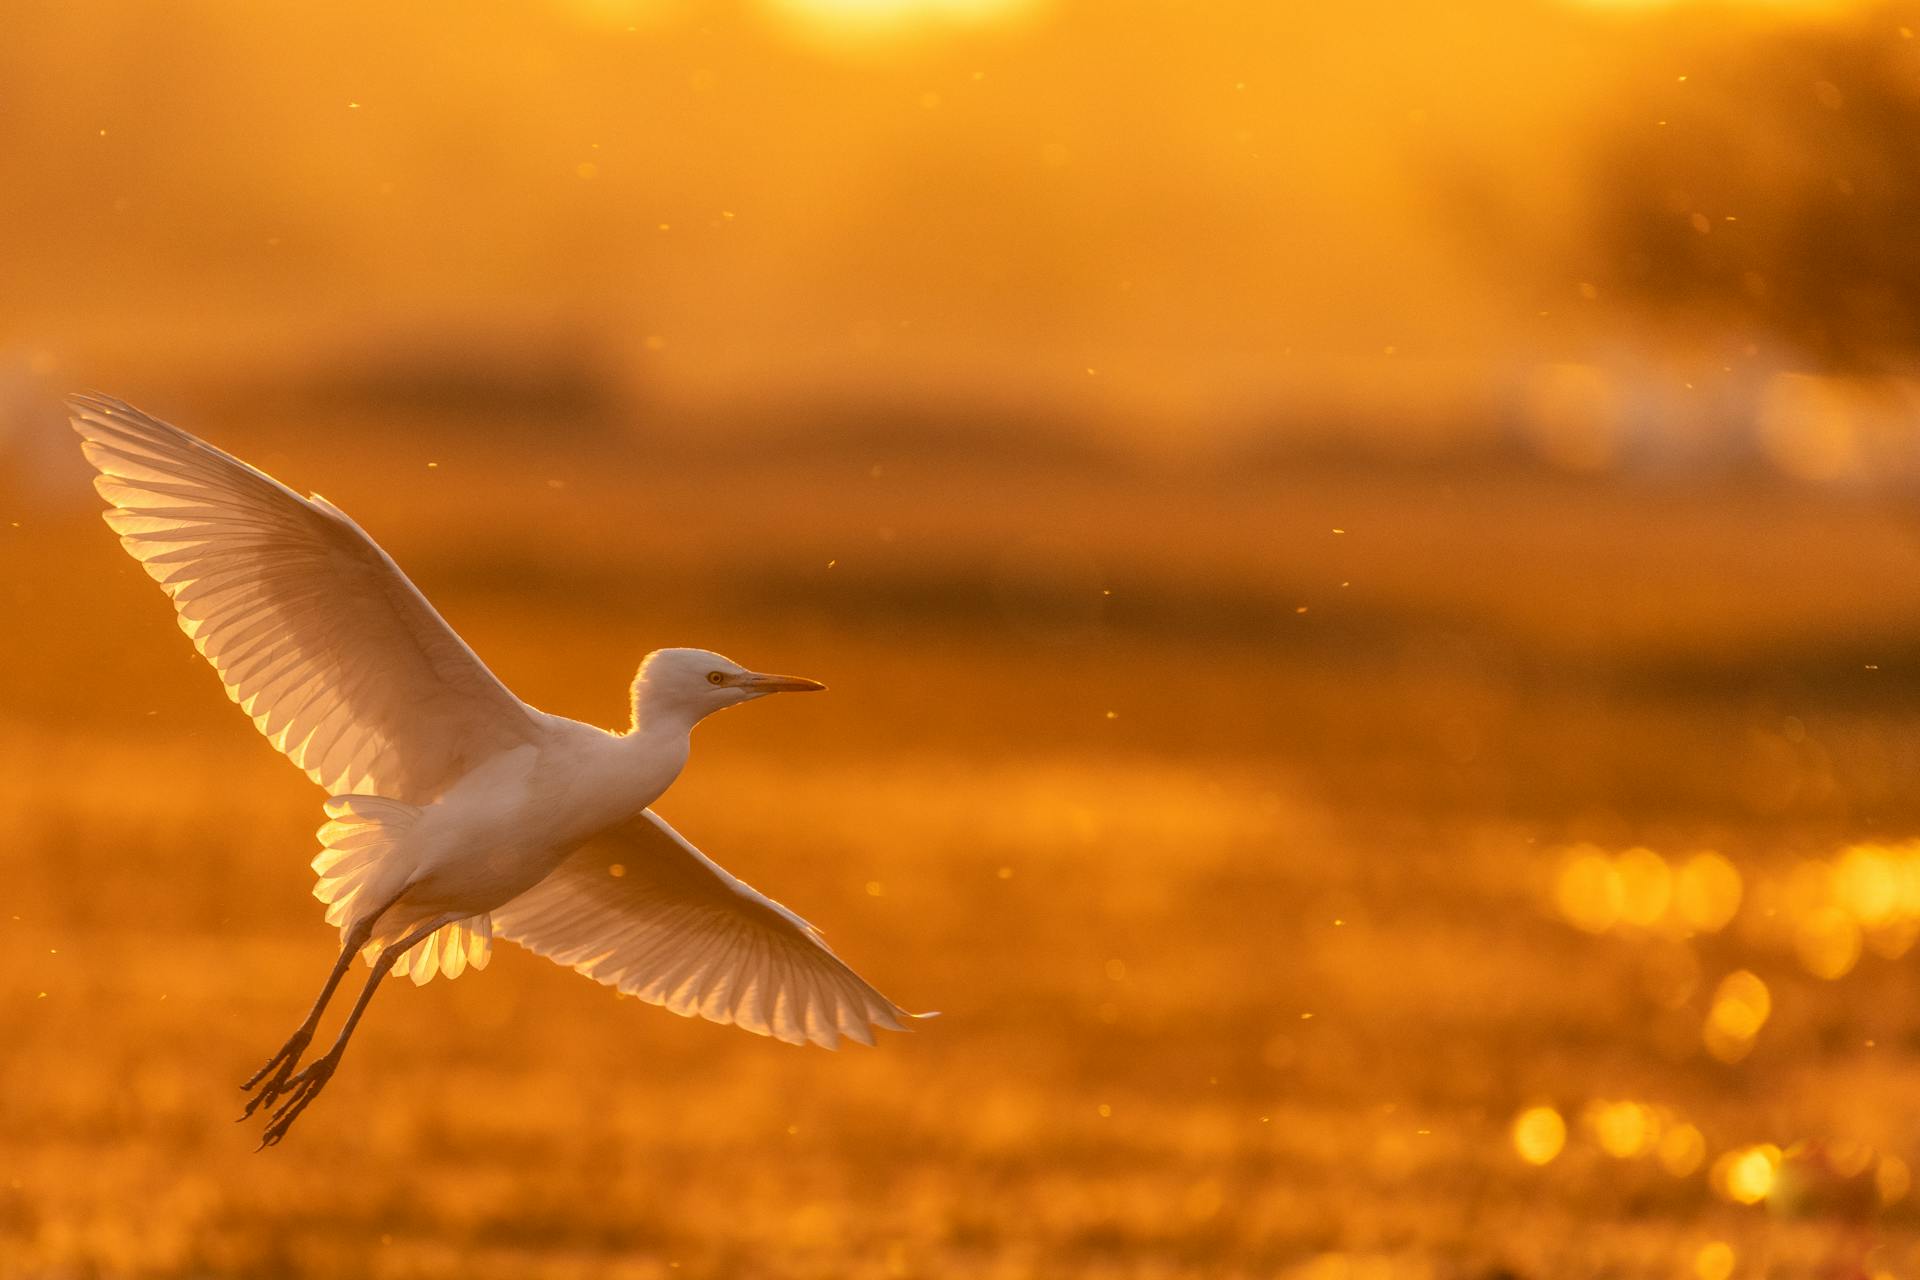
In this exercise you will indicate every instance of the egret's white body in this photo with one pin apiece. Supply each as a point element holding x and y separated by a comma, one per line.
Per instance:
<point>456,811</point>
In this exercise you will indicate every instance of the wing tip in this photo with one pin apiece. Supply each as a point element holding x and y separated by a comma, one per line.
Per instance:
<point>97,402</point>
<point>95,415</point>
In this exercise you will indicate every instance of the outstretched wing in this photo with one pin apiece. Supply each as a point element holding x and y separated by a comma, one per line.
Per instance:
<point>315,632</point>
<point>639,908</point>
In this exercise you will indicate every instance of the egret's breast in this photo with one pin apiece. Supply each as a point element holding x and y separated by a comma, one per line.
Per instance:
<point>506,825</point>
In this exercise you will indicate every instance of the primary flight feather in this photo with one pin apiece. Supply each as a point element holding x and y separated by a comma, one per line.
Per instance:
<point>456,812</point>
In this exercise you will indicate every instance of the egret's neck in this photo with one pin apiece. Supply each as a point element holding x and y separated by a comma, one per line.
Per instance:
<point>656,750</point>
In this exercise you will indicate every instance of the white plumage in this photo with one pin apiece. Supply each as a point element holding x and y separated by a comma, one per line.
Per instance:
<point>456,812</point>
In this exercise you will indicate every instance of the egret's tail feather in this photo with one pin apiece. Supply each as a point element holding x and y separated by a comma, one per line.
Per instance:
<point>360,833</point>
<point>449,950</point>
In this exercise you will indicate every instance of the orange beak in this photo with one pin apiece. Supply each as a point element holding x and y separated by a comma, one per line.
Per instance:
<point>757,683</point>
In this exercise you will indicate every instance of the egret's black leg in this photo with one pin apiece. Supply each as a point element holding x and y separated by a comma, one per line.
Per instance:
<point>302,1088</point>
<point>280,1066</point>
<point>282,1063</point>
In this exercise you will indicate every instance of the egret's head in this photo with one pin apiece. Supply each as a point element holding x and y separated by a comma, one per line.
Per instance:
<point>691,684</point>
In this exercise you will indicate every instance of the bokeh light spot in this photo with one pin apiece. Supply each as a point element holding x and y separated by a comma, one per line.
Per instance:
<point>1707,892</point>
<point>1746,1174</point>
<point>1589,892</point>
<point>1892,1180</point>
<point>1827,941</point>
<point>1714,1261</point>
<point>1741,1006</point>
<point>1682,1148</point>
<point>1539,1134</point>
<point>1623,1129</point>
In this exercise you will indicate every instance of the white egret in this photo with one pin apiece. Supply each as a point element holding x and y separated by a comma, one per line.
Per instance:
<point>457,812</point>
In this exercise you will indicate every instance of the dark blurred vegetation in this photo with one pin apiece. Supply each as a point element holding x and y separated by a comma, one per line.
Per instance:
<point>1766,194</point>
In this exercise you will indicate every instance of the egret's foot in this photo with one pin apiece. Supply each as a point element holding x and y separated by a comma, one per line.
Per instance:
<point>276,1071</point>
<point>301,1090</point>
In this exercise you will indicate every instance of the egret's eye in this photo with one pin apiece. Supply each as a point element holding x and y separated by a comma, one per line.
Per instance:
<point>714,677</point>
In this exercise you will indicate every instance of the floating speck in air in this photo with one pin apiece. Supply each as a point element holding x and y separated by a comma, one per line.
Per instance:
<point>832,563</point>
<point>433,466</point>
<point>1113,715</point>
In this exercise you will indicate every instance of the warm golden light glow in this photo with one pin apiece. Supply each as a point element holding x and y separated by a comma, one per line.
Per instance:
<point>1622,1129</point>
<point>1865,898</point>
<point>1892,1179</point>
<point>1714,1261</point>
<point>1682,1149</point>
<point>1364,556</point>
<point>1639,889</point>
<point>871,13</point>
<point>1746,1175</point>
<point>1741,1006</point>
<point>1589,890</point>
<point>1707,892</point>
<point>1646,887</point>
<point>1828,942</point>
<point>1539,1134</point>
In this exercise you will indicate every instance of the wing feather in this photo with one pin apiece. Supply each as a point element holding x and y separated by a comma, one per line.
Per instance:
<point>641,909</point>
<point>315,632</point>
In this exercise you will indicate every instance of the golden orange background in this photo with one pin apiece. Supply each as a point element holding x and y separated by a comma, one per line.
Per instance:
<point>1365,557</point>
